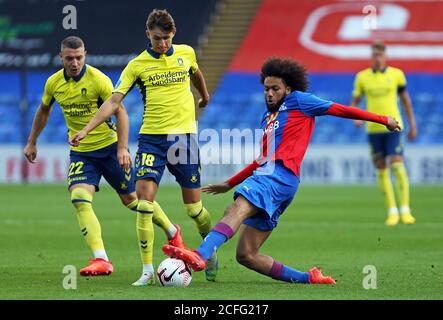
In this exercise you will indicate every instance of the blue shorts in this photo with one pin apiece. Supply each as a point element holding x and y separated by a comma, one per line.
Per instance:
<point>179,153</point>
<point>89,167</point>
<point>386,144</point>
<point>271,189</point>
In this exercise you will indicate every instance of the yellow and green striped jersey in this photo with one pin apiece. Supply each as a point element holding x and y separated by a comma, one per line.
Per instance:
<point>79,98</point>
<point>164,83</point>
<point>380,89</point>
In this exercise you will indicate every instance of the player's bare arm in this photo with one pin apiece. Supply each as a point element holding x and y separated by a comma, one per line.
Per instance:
<point>407,105</point>
<point>217,188</point>
<point>107,109</point>
<point>123,155</point>
<point>238,178</point>
<point>40,120</point>
<point>393,125</point>
<point>355,104</point>
<point>199,83</point>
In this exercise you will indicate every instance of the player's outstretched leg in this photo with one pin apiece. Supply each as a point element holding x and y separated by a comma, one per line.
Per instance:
<point>222,232</point>
<point>202,220</point>
<point>282,272</point>
<point>316,277</point>
<point>81,198</point>
<point>197,259</point>
<point>248,255</point>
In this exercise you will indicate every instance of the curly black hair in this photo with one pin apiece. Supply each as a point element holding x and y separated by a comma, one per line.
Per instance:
<point>290,71</point>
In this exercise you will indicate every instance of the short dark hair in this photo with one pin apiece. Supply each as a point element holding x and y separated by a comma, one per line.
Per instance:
<point>290,71</point>
<point>378,44</point>
<point>161,19</point>
<point>72,42</point>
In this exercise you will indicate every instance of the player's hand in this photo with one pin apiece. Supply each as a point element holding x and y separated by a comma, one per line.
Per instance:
<point>124,158</point>
<point>203,102</point>
<point>358,123</point>
<point>393,125</point>
<point>412,134</point>
<point>76,138</point>
<point>30,152</point>
<point>217,188</point>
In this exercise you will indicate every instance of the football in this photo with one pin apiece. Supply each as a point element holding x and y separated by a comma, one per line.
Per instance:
<point>174,273</point>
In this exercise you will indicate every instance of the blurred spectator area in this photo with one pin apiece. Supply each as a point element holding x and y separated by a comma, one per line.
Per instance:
<point>230,40</point>
<point>242,94</point>
<point>237,94</point>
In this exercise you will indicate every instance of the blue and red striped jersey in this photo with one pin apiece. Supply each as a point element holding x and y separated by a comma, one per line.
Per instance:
<point>287,131</point>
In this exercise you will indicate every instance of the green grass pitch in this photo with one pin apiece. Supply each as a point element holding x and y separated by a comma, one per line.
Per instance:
<point>340,229</point>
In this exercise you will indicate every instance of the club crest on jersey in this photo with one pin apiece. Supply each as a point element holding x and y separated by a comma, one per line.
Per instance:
<point>180,62</point>
<point>271,117</point>
<point>271,123</point>
<point>83,91</point>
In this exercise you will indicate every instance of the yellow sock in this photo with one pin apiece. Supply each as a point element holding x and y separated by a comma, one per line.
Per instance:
<point>385,185</point>
<point>133,205</point>
<point>89,225</point>
<point>145,230</point>
<point>160,218</point>
<point>401,183</point>
<point>201,217</point>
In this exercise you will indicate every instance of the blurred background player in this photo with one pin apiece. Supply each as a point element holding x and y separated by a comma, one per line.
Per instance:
<point>268,185</point>
<point>79,89</point>
<point>163,73</point>
<point>381,85</point>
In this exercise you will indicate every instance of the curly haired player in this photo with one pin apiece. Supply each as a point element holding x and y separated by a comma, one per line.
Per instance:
<point>267,186</point>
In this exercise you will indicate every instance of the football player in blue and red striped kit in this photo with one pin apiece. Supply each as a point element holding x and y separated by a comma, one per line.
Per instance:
<point>267,186</point>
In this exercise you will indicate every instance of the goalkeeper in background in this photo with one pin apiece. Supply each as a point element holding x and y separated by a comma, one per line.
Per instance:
<point>381,85</point>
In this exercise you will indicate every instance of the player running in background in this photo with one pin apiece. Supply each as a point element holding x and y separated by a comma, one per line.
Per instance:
<point>268,185</point>
<point>80,89</point>
<point>381,85</point>
<point>163,73</point>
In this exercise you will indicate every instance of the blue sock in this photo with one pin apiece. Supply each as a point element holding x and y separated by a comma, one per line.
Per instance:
<point>215,238</point>
<point>211,243</point>
<point>284,273</point>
